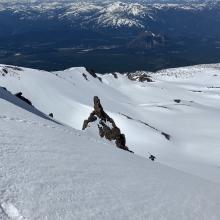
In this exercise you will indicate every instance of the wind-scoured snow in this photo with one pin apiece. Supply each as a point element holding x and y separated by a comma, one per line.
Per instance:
<point>51,171</point>
<point>175,117</point>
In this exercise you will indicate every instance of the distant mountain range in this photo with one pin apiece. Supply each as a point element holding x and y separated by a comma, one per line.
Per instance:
<point>106,35</point>
<point>115,14</point>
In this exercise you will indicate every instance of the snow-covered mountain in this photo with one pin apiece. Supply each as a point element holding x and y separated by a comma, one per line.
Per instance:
<point>107,35</point>
<point>50,170</point>
<point>102,14</point>
<point>172,114</point>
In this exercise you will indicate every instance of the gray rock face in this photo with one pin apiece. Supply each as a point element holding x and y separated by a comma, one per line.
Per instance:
<point>106,126</point>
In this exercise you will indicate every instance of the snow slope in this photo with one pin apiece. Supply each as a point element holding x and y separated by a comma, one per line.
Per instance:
<point>50,171</point>
<point>145,112</point>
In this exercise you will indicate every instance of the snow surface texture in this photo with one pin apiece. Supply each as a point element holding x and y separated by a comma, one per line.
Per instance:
<point>183,103</point>
<point>50,171</point>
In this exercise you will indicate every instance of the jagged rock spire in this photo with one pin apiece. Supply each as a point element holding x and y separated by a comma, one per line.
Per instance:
<point>106,125</point>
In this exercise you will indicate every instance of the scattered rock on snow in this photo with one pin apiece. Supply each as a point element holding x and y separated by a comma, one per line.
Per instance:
<point>4,88</point>
<point>115,75</point>
<point>177,100</point>
<point>92,73</point>
<point>152,157</point>
<point>14,68</point>
<point>167,136</point>
<point>5,70</point>
<point>85,76</point>
<point>140,77</point>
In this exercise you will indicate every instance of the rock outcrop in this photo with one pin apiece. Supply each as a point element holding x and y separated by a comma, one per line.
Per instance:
<point>20,96</point>
<point>139,76</point>
<point>106,125</point>
<point>93,74</point>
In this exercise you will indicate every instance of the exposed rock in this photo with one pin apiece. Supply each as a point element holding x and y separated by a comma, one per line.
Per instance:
<point>167,136</point>
<point>91,118</point>
<point>100,79</point>
<point>19,95</point>
<point>145,77</point>
<point>177,100</point>
<point>195,90</point>
<point>115,75</point>
<point>213,87</point>
<point>51,115</point>
<point>140,77</point>
<point>152,157</point>
<point>92,72</point>
<point>85,76</point>
<point>5,70</point>
<point>14,68</point>
<point>106,125</point>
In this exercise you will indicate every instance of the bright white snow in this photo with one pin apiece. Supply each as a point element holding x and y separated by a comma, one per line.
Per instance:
<point>142,110</point>
<point>50,171</point>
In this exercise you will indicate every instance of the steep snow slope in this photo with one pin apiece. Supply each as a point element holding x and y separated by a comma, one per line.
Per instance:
<point>176,117</point>
<point>50,171</point>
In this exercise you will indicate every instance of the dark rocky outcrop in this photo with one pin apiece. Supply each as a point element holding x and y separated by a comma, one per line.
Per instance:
<point>14,68</point>
<point>106,126</point>
<point>152,157</point>
<point>20,96</point>
<point>85,76</point>
<point>177,100</point>
<point>140,77</point>
<point>9,70</point>
<point>167,136</point>
<point>92,73</point>
<point>51,115</point>
<point>5,70</point>
<point>115,75</point>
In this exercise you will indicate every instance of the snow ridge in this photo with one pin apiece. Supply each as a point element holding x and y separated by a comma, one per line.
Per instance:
<point>171,114</point>
<point>50,170</point>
